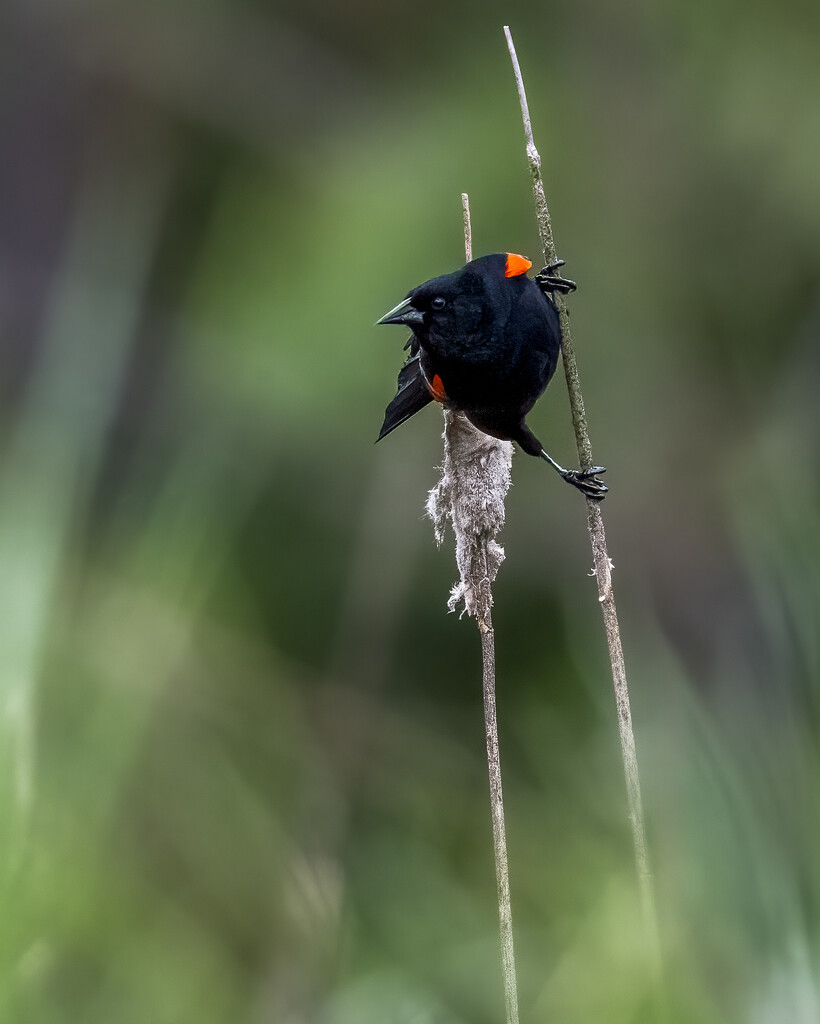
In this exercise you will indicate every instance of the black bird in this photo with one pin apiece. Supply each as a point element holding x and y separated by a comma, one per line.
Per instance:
<point>485,342</point>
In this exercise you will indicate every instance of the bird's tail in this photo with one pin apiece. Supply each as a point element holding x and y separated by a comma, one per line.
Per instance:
<point>412,395</point>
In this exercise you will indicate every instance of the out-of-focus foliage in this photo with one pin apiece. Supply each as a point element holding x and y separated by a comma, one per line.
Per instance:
<point>241,757</point>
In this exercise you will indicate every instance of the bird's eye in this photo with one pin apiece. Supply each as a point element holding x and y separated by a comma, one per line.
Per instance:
<point>438,302</point>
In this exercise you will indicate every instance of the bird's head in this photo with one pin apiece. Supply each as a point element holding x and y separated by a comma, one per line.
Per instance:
<point>453,309</point>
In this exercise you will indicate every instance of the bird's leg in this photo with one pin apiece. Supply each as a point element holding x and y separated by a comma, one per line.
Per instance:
<point>549,281</point>
<point>586,480</point>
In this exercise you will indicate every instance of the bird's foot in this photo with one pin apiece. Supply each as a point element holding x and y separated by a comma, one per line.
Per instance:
<point>586,480</point>
<point>549,281</point>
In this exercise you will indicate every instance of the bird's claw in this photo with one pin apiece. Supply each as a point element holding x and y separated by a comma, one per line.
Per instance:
<point>549,281</point>
<point>586,480</point>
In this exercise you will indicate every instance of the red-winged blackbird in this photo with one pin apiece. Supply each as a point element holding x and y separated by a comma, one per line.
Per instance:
<point>485,342</point>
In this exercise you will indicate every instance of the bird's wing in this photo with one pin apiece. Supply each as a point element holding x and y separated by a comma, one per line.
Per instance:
<point>413,393</point>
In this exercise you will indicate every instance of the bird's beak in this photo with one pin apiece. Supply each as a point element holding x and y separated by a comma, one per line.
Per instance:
<point>405,313</point>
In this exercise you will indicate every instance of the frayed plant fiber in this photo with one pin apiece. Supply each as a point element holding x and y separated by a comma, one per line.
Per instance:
<point>475,478</point>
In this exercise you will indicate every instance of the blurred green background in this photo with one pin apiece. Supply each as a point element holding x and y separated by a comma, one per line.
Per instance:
<point>242,775</point>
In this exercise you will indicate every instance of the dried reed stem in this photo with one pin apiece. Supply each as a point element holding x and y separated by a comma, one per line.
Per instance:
<point>595,524</point>
<point>474,483</point>
<point>502,870</point>
<point>468,231</point>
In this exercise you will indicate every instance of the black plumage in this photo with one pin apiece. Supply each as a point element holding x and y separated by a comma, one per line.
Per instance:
<point>485,342</point>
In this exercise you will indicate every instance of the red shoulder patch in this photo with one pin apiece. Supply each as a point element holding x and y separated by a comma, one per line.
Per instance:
<point>436,386</point>
<point>516,265</point>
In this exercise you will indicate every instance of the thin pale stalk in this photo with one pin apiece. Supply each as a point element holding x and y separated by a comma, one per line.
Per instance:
<point>482,589</point>
<point>468,231</point>
<point>502,871</point>
<point>597,536</point>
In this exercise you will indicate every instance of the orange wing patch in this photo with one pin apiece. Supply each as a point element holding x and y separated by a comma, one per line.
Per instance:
<point>516,265</point>
<point>436,386</point>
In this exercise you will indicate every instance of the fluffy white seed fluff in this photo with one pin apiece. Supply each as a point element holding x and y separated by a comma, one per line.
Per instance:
<point>475,478</point>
